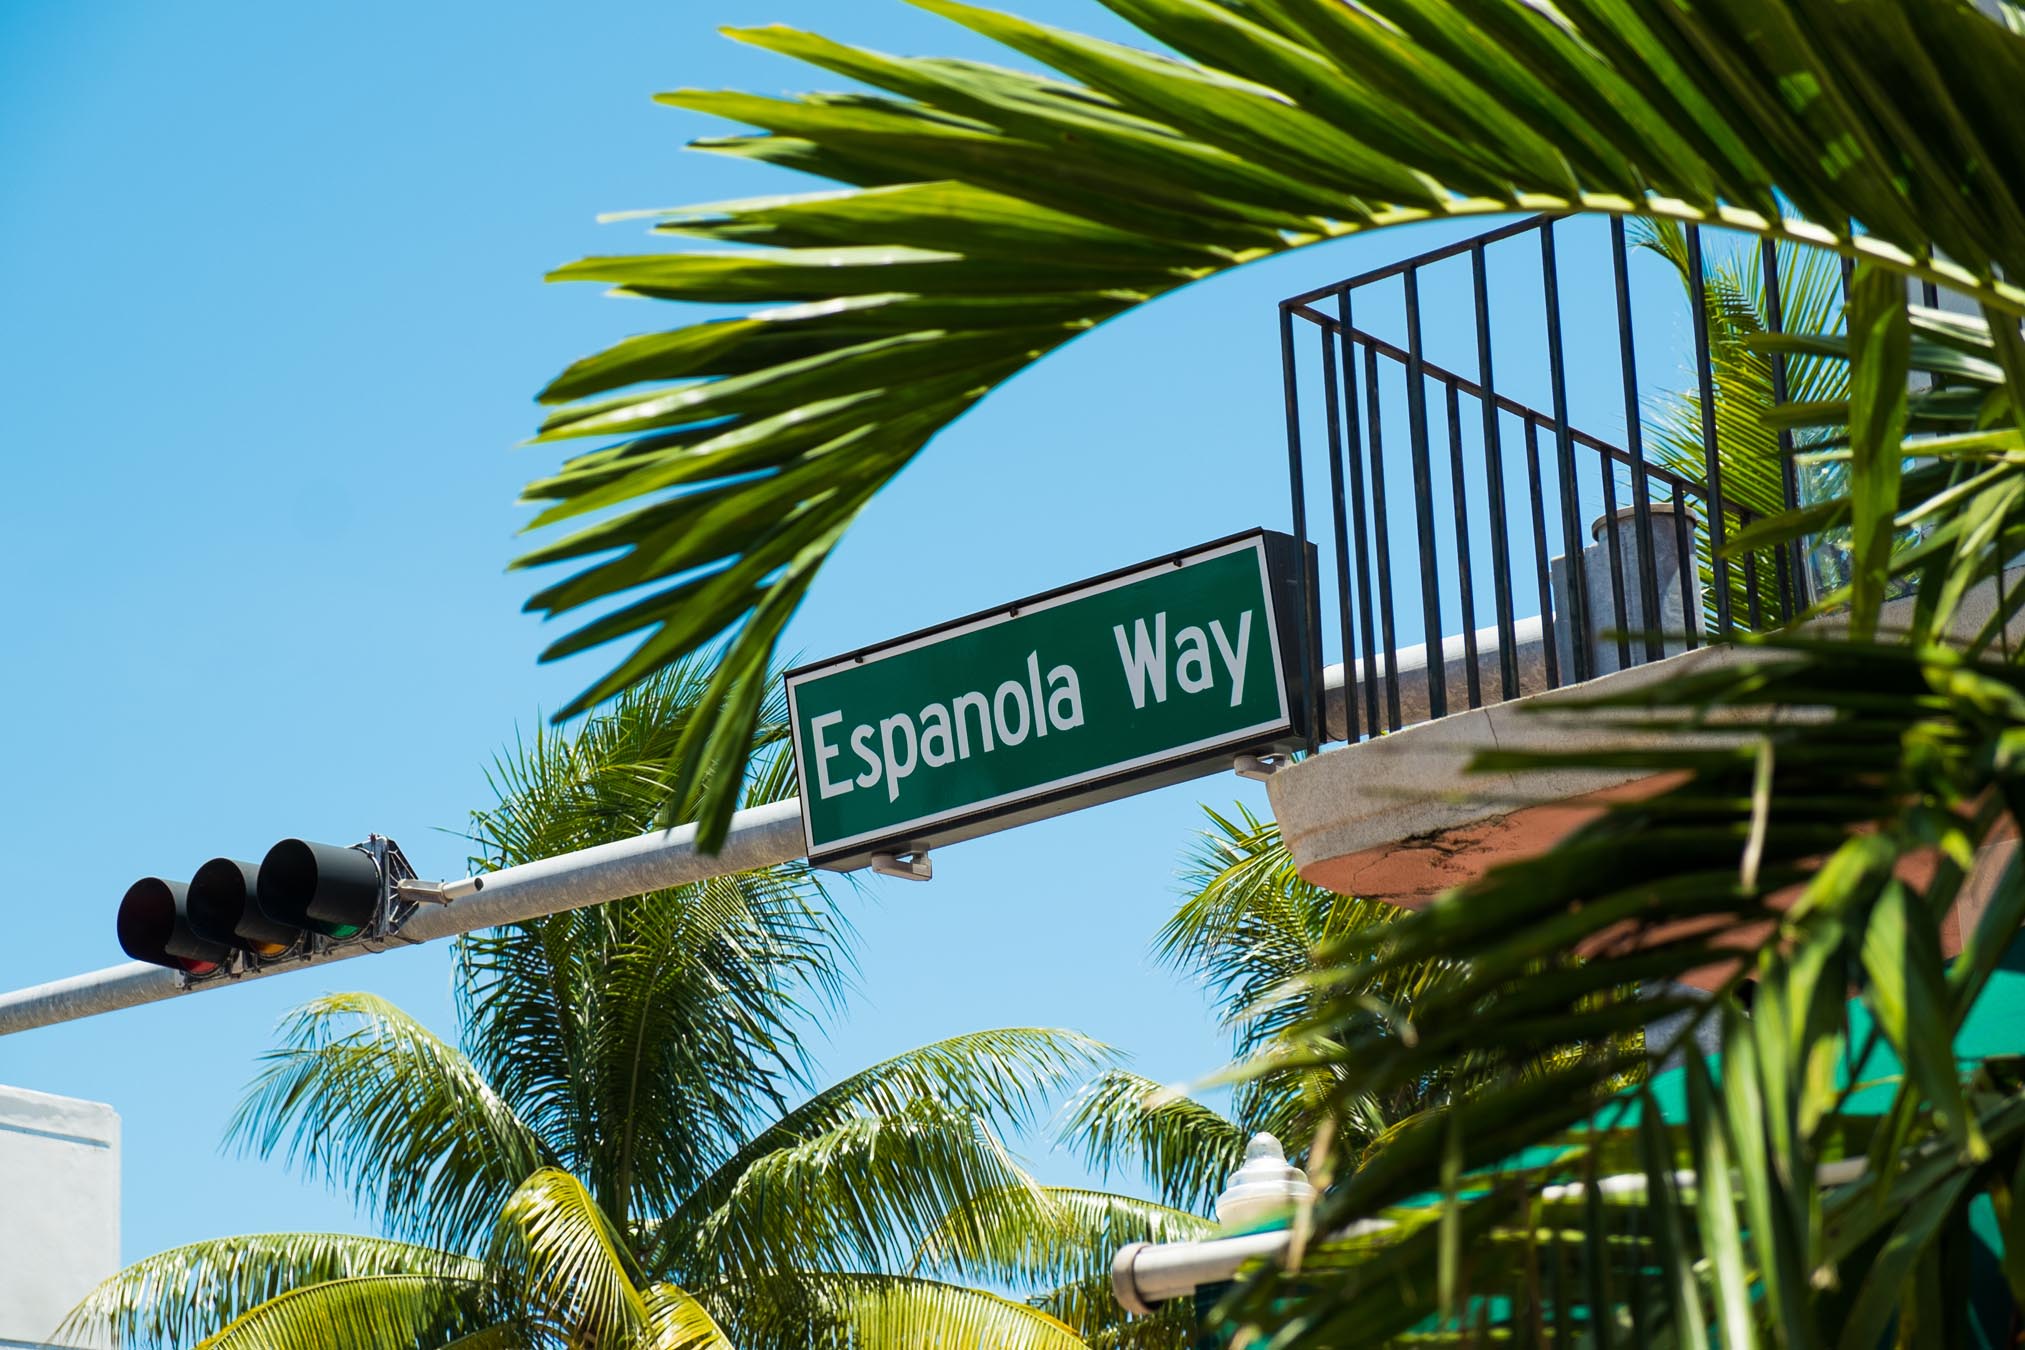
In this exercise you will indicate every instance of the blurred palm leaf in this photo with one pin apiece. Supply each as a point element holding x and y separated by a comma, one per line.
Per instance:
<point>1819,811</point>
<point>988,216</point>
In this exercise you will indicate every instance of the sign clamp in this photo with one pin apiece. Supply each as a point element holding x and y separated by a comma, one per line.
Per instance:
<point>913,866</point>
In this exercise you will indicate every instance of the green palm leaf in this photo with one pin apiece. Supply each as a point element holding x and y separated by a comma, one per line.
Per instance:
<point>998,1076</point>
<point>566,1265</point>
<point>677,1320</point>
<point>363,1095</point>
<point>860,1195</point>
<point>640,1039</point>
<point>847,1311</point>
<point>881,313</point>
<point>363,1312</point>
<point>1056,1236</point>
<point>1123,1121</point>
<point>176,1296</point>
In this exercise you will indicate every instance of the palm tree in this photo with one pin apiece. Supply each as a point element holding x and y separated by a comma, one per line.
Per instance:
<point>983,217</point>
<point>986,216</point>
<point>1247,926</point>
<point>1748,449</point>
<point>611,1155</point>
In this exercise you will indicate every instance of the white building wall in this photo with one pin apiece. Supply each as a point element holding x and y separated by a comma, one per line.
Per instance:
<point>59,1209</point>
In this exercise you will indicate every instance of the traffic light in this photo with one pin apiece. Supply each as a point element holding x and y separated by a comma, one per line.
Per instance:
<point>224,905</point>
<point>154,926</point>
<point>321,887</point>
<point>301,897</point>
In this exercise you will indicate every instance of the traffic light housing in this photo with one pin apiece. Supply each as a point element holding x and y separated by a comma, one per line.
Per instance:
<point>301,898</point>
<point>154,926</point>
<point>320,887</point>
<point>224,905</point>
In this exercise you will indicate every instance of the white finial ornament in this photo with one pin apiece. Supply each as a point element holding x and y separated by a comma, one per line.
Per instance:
<point>1267,1187</point>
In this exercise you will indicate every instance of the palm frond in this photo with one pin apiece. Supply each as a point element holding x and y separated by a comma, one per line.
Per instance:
<point>1250,923</point>
<point>564,1266</point>
<point>845,1311</point>
<point>1123,1121</point>
<point>862,1195</point>
<point>178,1296</point>
<point>989,216</point>
<point>364,1312</point>
<point>1056,1236</point>
<point>362,1095</point>
<point>1749,454</point>
<point>677,1320</point>
<point>997,1076</point>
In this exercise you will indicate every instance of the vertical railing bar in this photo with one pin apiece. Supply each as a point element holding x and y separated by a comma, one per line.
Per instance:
<point>1614,550</point>
<point>1423,503</point>
<point>1712,466</point>
<point>1792,564</point>
<point>1383,539</point>
<point>1501,544</point>
<point>1359,515</point>
<point>1930,296</point>
<point>1332,419</point>
<point>1749,564</point>
<point>1581,629</point>
<point>1684,549</point>
<point>1466,593</point>
<point>1634,436</point>
<point>1311,688</point>
<point>1540,568</point>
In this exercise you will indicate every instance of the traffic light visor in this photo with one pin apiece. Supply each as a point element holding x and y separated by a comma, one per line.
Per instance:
<point>322,887</point>
<point>154,926</point>
<point>223,907</point>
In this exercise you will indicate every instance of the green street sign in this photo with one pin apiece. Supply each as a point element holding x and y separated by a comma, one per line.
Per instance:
<point>1104,688</point>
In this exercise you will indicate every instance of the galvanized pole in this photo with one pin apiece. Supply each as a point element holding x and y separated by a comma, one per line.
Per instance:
<point>762,837</point>
<point>765,836</point>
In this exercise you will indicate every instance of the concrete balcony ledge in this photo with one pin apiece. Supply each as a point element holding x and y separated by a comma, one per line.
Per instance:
<point>1399,817</point>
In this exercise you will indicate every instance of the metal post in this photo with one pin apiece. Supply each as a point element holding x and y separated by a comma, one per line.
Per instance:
<point>1466,593</point>
<point>1359,515</point>
<point>1423,503</point>
<point>1308,640</point>
<point>1581,625</point>
<point>1382,532</point>
<point>1712,463</point>
<point>1634,439</point>
<point>1332,417</point>
<point>1494,472</point>
<point>1792,565</point>
<point>764,836</point>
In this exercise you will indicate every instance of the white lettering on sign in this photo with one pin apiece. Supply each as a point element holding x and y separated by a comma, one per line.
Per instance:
<point>1234,658</point>
<point>825,752</point>
<point>1144,656</point>
<point>941,734</point>
<point>894,748</point>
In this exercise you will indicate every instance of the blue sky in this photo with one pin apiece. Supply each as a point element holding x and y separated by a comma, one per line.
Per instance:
<point>273,322</point>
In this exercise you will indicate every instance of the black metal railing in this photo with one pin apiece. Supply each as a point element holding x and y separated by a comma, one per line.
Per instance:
<point>1498,484</point>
